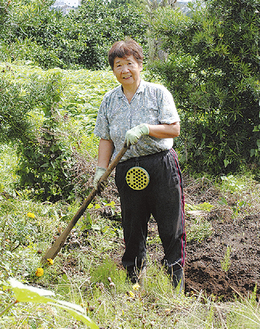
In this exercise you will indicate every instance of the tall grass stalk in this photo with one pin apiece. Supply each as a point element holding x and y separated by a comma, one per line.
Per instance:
<point>87,270</point>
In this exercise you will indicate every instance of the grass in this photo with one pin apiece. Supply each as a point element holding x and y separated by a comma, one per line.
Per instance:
<point>84,272</point>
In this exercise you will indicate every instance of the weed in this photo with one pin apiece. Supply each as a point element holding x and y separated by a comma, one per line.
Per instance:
<point>198,229</point>
<point>83,273</point>
<point>225,264</point>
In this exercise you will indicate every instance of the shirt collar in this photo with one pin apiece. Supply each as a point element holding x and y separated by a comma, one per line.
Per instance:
<point>139,90</point>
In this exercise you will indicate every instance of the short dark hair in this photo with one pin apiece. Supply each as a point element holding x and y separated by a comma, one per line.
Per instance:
<point>125,48</point>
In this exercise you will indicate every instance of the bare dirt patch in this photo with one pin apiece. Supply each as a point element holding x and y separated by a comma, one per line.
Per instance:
<point>203,263</point>
<point>226,264</point>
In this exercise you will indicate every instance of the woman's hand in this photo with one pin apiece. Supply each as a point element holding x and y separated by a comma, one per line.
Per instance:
<point>98,174</point>
<point>159,131</point>
<point>132,135</point>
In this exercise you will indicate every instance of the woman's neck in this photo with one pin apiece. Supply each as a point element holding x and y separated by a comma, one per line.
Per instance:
<point>130,90</point>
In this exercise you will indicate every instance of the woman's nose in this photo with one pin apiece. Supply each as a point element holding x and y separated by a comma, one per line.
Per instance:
<point>125,68</point>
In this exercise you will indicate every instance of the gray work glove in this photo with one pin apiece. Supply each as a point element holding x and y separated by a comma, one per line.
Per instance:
<point>132,135</point>
<point>98,174</point>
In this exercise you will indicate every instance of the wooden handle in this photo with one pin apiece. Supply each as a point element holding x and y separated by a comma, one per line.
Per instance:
<point>58,244</point>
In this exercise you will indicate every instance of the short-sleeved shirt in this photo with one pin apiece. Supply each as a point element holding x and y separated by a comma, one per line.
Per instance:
<point>152,104</point>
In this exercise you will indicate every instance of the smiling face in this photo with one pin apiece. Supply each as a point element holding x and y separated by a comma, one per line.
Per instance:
<point>127,71</point>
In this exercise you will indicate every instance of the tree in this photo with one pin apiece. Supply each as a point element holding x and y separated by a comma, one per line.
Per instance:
<point>213,71</point>
<point>95,27</point>
<point>80,39</point>
<point>119,3</point>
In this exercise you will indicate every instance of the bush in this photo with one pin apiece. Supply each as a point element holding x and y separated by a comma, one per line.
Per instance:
<point>213,72</point>
<point>14,107</point>
<point>80,39</point>
<point>46,162</point>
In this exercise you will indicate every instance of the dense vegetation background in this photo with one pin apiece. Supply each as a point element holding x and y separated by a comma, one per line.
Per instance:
<point>208,58</point>
<point>53,76</point>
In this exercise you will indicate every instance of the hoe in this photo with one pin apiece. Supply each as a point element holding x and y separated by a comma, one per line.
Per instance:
<point>58,244</point>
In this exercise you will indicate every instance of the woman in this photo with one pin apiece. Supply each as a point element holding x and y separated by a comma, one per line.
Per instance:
<point>148,177</point>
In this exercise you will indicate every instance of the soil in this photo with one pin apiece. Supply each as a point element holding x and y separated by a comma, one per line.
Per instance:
<point>209,269</point>
<point>203,263</point>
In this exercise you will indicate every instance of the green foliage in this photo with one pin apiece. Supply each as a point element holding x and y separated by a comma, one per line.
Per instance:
<point>198,229</point>
<point>95,26</point>
<point>80,39</point>
<point>59,108</point>
<point>225,264</point>
<point>15,229</point>
<point>236,183</point>
<point>8,163</point>
<point>4,15</point>
<point>14,108</point>
<point>118,3</point>
<point>45,163</point>
<point>213,72</point>
<point>84,261</point>
<point>25,293</point>
<point>107,272</point>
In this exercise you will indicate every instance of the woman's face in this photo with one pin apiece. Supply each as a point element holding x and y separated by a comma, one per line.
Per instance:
<point>127,71</point>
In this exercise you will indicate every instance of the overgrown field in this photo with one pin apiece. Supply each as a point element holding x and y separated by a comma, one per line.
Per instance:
<point>87,271</point>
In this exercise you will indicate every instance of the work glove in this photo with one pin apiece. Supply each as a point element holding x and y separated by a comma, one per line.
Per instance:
<point>132,135</point>
<point>98,174</point>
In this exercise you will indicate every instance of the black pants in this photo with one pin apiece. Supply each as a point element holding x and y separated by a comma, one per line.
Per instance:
<point>163,198</point>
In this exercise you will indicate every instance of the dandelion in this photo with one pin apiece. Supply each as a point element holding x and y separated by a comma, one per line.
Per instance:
<point>50,261</point>
<point>130,294</point>
<point>39,272</point>
<point>111,204</point>
<point>30,215</point>
<point>136,286</point>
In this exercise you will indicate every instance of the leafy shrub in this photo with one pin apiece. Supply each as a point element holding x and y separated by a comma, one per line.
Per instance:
<point>46,162</point>
<point>14,109</point>
<point>56,152</point>
<point>45,159</point>
<point>213,72</point>
<point>80,39</point>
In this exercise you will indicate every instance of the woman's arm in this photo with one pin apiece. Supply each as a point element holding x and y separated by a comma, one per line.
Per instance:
<point>165,130</point>
<point>105,150</point>
<point>159,131</point>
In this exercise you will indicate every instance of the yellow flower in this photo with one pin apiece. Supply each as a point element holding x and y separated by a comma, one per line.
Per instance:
<point>50,261</point>
<point>130,294</point>
<point>31,215</point>
<point>111,204</point>
<point>97,206</point>
<point>90,206</point>
<point>136,286</point>
<point>39,272</point>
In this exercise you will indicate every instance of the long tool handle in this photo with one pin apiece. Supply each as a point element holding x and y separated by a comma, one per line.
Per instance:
<point>58,244</point>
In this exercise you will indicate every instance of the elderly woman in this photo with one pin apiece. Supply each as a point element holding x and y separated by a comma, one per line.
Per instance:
<point>148,177</point>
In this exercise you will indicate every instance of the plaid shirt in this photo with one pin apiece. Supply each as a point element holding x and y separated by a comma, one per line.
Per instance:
<point>152,104</point>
